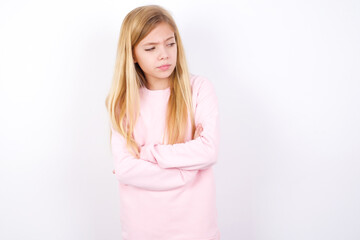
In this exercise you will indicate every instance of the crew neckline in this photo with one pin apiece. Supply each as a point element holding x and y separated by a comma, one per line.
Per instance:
<point>156,90</point>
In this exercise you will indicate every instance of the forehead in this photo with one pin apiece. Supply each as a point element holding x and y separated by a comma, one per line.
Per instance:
<point>160,33</point>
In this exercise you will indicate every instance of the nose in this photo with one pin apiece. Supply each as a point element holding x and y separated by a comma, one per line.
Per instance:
<point>163,54</point>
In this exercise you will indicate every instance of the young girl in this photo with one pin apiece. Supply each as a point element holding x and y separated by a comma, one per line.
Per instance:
<point>162,161</point>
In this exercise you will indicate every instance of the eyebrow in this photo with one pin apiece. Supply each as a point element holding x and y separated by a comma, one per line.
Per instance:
<point>154,43</point>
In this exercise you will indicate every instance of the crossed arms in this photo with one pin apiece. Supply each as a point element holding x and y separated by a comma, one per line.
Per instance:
<point>169,166</point>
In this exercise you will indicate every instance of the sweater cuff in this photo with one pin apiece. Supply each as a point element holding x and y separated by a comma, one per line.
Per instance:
<point>145,153</point>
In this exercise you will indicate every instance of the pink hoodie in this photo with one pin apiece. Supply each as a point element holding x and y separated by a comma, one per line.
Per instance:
<point>169,192</point>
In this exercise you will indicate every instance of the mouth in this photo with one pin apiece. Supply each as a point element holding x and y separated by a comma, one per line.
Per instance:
<point>164,67</point>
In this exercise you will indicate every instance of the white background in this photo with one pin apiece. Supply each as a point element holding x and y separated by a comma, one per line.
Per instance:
<point>288,81</point>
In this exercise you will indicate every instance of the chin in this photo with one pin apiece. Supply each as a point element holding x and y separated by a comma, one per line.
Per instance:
<point>164,74</point>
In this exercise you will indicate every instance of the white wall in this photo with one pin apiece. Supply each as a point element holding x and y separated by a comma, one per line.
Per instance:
<point>287,77</point>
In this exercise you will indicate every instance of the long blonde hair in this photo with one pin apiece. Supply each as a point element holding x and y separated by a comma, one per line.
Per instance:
<point>123,100</point>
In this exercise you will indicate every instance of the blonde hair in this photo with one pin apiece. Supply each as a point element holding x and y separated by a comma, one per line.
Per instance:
<point>123,99</point>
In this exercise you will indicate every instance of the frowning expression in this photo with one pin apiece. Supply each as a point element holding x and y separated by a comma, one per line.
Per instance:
<point>156,53</point>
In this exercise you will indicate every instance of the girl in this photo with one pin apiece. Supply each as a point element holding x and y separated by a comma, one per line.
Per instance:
<point>163,163</point>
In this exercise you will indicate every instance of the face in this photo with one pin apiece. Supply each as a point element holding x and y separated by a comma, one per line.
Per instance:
<point>157,49</point>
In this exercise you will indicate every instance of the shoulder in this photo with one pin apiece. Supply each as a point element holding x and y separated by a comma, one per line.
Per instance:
<point>202,87</point>
<point>201,84</point>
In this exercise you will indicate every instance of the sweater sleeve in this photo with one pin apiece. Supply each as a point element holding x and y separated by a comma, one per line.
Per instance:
<point>144,174</point>
<point>197,154</point>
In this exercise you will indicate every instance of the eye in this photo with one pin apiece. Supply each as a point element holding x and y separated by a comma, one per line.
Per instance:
<point>150,49</point>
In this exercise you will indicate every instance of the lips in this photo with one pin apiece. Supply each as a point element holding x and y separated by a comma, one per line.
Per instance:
<point>164,67</point>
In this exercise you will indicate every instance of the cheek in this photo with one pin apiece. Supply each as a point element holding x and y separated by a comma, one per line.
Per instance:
<point>143,60</point>
<point>148,61</point>
<point>174,54</point>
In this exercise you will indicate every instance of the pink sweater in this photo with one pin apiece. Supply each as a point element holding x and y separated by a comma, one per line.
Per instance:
<point>169,192</point>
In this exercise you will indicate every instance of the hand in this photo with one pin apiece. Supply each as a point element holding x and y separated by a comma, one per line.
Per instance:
<point>198,130</point>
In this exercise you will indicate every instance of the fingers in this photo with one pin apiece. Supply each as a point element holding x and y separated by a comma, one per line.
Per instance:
<point>198,130</point>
